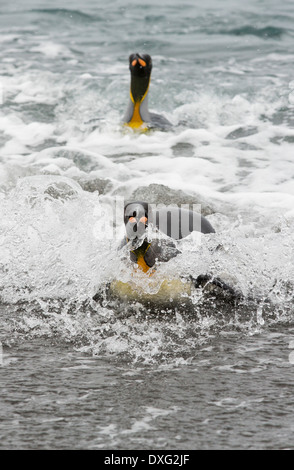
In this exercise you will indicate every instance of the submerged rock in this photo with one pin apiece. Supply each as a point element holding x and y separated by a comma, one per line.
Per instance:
<point>95,184</point>
<point>161,194</point>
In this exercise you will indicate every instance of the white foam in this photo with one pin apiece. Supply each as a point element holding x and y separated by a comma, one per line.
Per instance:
<point>52,50</point>
<point>23,134</point>
<point>232,151</point>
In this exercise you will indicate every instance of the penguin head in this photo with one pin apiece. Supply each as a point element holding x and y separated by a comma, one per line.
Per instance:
<point>136,220</point>
<point>140,64</point>
<point>140,67</point>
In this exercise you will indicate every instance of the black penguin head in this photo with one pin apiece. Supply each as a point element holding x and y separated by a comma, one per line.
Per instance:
<point>140,67</point>
<point>136,216</point>
<point>140,64</point>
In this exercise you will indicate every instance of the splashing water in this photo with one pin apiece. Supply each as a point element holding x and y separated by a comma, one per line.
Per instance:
<point>223,77</point>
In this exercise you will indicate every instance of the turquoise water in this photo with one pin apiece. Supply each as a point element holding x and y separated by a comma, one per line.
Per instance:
<point>78,375</point>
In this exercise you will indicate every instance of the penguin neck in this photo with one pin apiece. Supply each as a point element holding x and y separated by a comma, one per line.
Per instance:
<point>140,253</point>
<point>137,113</point>
<point>141,250</point>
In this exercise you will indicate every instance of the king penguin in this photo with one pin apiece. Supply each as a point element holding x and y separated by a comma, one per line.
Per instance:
<point>137,115</point>
<point>173,221</point>
<point>142,223</point>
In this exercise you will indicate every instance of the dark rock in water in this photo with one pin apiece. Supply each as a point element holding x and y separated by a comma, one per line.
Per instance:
<point>183,149</point>
<point>95,184</point>
<point>60,190</point>
<point>242,132</point>
<point>161,194</point>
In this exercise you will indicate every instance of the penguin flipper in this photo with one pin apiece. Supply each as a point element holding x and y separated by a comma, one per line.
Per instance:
<point>159,121</point>
<point>206,280</point>
<point>162,251</point>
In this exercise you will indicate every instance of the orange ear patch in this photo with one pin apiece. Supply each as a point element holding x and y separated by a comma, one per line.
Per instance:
<point>132,220</point>
<point>142,62</point>
<point>134,62</point>
<point>143,220</point>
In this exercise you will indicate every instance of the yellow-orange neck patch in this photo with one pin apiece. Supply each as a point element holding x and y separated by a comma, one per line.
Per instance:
<point>143,266</point>
<point>136,120</point>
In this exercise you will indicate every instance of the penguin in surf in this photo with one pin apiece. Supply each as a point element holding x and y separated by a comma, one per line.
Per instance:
<point>138,116</point>
<point>145,252</point>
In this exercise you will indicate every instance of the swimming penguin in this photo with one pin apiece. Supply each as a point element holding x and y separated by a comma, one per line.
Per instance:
<point>137,115</point>
<point>146,250</point>
<point>173,221</point>
<point>176,223</point>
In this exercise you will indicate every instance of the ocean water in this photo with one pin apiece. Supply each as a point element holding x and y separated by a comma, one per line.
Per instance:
<point>215,373</point>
